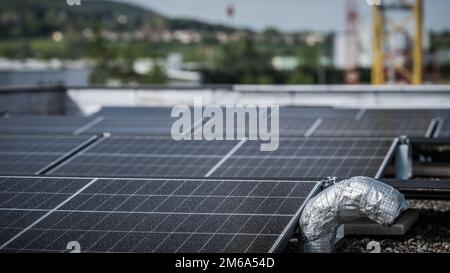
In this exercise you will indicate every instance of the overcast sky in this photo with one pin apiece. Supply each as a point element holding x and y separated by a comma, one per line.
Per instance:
<point>321,15</point>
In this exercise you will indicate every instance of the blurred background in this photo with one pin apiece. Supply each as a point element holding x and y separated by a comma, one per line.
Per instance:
<point>136,42</point>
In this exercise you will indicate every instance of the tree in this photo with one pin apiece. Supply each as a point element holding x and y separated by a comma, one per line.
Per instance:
<point>243,62</point>
<point>156,75</point>
<point>300,76</point>
<point>115,62</point>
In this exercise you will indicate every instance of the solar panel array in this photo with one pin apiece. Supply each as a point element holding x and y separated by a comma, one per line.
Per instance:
<point>28,154</point>
<point>43,124</point>
<point>404,114</point>
<point>374,128</point>
<point>149,215</point>
<point>193,196</point>
<point>132,125</point>
<point>317,112</point>
<point>294,121</point>
<point>118,111</point>
<point>119,156</point>
<point>127,156</point>
<point>155,121</point>
<point>356,123</point>
<point>309,157</point>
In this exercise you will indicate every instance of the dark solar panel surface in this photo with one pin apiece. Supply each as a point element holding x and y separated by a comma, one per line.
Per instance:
<point>290,123</point>
<point>153,121</point>
<point>43,124</point>
<point>317,112</point>
<point>308,157</point>
<point>159,126</point>
<point>146,157</point>
<point>25,200</point>
<point>353,123</point>
<point>27,154</point>
<point>134,111</point>
<point>295,157</point>
<point>373,127</point>
<point>297,126</point>
<point>149,215</point>
<point>402,114</point>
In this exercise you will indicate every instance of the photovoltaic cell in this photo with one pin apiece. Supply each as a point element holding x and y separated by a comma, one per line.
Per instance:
<point>153,121</point>
<point>146,157</point>
<point>316,112</point>
<point>27,154</point>
<point>295,157</point>
<point>42,124</point>
<point>401,114</point>
<point>159,126</point>
<point>156,215</point>
<point>290,123</point>
<point>373,128</point>
<point>309,157</point>
<point>118,111</point>
<point>329,122</point>
<point>297,127</point>
<point>25,200</point>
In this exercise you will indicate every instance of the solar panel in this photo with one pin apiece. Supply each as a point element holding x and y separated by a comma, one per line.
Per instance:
<point>374,128</point>
<point>297,126</point>
<point>399,114</point>
<point>154,121</point>
<point>23,201</point>
<point>28,154</point>
<point>163,157</point>
<point>43,124</point>
<point>165,111</point>
<point>316,112</point>
<point>134,111</point>
<point>140,156</point>
<point>152,215</point>
<point>352,123</point>
<point>310,157</point>
<point>159,126</point>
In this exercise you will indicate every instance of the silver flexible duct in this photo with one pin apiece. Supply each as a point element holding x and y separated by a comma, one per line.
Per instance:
<point>357,197</point>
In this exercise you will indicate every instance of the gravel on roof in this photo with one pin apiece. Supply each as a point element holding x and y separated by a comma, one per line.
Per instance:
<point>431,233</point>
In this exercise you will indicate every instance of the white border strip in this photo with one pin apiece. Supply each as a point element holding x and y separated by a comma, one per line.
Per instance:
<point>314,127</point>
<point>440,124</point>
<point>387,158</point>
<point>47,214</point>
<point>225,158</point>
<point>89,125</point>
<point>360,114</point>
<point>431,127</point>
<point>195,127</point>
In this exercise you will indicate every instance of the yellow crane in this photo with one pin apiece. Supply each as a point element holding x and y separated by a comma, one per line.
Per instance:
<point>380,34</point>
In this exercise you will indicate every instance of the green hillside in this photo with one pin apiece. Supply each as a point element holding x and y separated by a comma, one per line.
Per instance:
<point>39,18</point>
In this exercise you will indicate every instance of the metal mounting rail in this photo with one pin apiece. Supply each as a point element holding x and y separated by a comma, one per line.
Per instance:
<point>68,155</point>
<point>422,188</point>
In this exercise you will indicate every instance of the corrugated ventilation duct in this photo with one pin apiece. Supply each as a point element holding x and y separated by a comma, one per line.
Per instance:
<point>357,197</point>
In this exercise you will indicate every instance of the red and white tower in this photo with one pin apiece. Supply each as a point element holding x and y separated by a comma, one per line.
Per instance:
<point>352,43</point>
